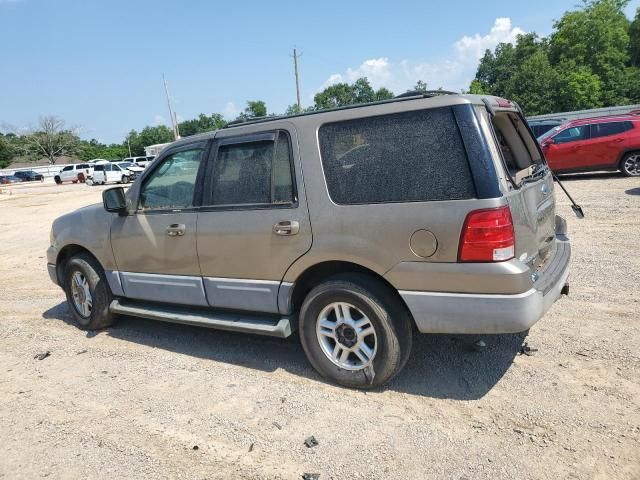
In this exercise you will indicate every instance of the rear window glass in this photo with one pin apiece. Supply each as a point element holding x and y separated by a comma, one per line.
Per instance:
<point>403,157</point>
<point>99,168</point>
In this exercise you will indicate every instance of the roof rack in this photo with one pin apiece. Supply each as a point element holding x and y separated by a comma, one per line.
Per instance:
<point>411,95</point>
<point>425,93</point>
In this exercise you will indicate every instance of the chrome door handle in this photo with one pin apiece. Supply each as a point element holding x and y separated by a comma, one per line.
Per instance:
<point>176,230</point>
<point>286,227</point>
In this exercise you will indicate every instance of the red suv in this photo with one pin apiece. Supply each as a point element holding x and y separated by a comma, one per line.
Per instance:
<point>602,143</point>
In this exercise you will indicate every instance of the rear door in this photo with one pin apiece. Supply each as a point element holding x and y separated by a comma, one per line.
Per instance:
<point>529,190</point>
<point>254,222</point>
<point>606,140</point>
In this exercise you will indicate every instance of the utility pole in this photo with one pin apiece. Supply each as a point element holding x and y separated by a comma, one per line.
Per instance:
<point>129,145</point>
<point>173,119</point>
<point>295,68</point>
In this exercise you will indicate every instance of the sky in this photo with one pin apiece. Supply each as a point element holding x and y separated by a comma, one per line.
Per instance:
<point>98,64</point>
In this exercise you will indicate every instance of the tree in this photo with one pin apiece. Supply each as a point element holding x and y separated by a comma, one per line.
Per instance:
<point>420,86</point>
<point>51,140</point>
<point>201,124</point>
<point>595,36</point>
<point>6,152</point>
<point>343,94</point>
<point>634,40</point>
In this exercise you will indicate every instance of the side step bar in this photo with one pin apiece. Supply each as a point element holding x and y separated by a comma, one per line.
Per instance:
<point>236,322</point>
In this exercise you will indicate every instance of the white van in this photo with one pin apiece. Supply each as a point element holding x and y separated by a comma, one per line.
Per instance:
<point>110,172</point>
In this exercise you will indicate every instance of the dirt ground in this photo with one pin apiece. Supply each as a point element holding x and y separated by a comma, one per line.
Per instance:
<point>154,400</point>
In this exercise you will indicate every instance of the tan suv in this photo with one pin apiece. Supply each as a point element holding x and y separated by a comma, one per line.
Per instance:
<point>353,226</point>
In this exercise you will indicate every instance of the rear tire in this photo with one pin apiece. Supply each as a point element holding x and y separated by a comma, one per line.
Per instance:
<point>378,345</point>
<point>630,164</point>
<point>88,293</point>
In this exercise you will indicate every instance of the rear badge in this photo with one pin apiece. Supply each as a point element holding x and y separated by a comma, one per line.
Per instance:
<point>544,189</point>
<point>523,257</point>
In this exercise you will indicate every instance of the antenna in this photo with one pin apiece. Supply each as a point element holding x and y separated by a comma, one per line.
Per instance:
<point>173,119</point>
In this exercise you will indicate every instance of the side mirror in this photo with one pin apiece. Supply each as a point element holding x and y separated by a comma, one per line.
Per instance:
<point>114,200</point>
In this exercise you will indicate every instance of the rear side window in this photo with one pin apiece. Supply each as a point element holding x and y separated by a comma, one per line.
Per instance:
<point>253,172</point>
<point>403,157</point>
<point>610,128</point>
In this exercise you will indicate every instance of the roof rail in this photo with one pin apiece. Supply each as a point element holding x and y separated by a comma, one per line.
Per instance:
<point>400,98</point>
<point>425,93</point>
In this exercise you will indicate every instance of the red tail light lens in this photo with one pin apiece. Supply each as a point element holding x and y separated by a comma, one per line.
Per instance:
<point>487,236</point>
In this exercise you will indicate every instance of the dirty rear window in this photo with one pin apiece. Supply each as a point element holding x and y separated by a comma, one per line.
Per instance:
<point>403,157</point>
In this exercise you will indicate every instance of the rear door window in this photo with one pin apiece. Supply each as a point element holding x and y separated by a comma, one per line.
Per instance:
<point>254,170</point>
<point>403,157</point>
<point>609,128</point>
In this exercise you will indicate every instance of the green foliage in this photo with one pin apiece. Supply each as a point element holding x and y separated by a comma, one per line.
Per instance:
<point>201,124</point>
<point>587,62</point>
<point>597,37</point>
<point>6,152</point>
<point>343,94</point>
<point>420,86</point>
<point>634,40</point>
<point>93,149</point>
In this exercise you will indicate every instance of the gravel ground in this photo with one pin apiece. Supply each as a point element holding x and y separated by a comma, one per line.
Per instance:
<point>145,399</point>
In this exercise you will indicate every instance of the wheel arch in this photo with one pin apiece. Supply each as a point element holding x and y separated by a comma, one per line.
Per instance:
<point>319,272</point>
<point>67,252</point>
<point>624,153</point>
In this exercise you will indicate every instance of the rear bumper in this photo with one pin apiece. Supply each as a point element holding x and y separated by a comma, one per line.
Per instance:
<point>466,313</point>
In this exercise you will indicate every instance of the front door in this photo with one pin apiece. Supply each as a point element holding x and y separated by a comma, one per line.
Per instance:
<point>155,248</point>
<point>568,152</point>
<point>254,222</point>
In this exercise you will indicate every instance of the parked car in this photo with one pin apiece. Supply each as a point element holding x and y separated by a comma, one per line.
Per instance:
<point>29,176</point>
<point>408,217</point>
<point>601,143</point>
<point>74,173</point>
<point>140,161</point>
<point>539,127</point>
<point>134,169</point>
<point>7,179</point>
<point>110,172</point>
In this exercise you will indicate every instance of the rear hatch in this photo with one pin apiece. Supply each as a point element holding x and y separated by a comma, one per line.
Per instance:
<point>528,186</point>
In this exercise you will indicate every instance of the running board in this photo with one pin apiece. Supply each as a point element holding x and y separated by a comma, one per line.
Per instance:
<point>235,322</point>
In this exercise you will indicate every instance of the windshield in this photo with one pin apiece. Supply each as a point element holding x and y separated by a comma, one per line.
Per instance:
<point>547,134</point>
<point>125,164</point>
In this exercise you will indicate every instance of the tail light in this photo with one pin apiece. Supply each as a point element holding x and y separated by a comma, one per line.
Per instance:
<point>487,236</point>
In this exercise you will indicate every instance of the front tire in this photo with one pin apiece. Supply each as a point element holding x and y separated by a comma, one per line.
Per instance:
<point>124,179</point>
<point>630,164</point>
<point>88,293</point>
<point>355,332</point>
<point>58,180</point>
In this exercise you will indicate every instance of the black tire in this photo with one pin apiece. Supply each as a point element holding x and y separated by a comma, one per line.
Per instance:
<point>386,313</point>
<point>124,179</point>
<point>57,179</point>
<point>99,316</point>
<point>630,173</point>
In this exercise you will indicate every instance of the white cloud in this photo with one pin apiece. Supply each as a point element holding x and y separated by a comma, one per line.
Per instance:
<point>230,110</point>
<point>452,73</point>
<point>159,120</point>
